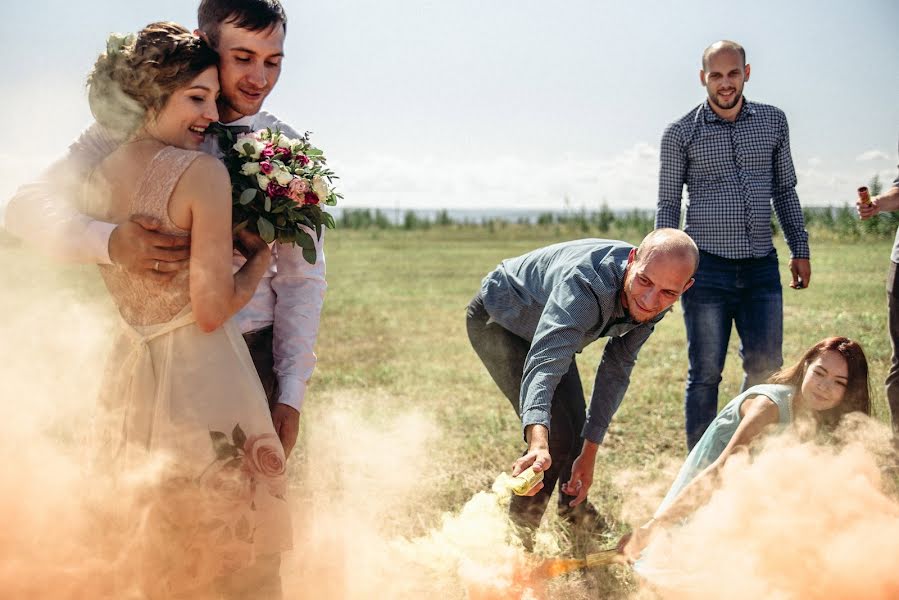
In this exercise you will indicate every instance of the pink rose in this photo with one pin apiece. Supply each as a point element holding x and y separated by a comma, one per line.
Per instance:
<point>285,153</point>
<point>299,186</point>
<point>264,455</point>
<point>310,198</point>
<point>303,159</point>
<point>268,151</point>
<point>297,189</point>
<point>266,167</point>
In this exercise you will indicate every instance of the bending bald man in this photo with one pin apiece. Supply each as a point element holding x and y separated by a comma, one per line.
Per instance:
<point>530,317</point>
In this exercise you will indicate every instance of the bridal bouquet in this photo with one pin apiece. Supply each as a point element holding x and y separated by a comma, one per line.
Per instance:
<point>279,183</point>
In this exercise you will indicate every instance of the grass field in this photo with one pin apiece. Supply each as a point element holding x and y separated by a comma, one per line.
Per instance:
<point>393,330</point>
<point>393,342</point>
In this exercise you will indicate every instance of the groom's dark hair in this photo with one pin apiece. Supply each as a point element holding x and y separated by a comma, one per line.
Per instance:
<point>253,15</point>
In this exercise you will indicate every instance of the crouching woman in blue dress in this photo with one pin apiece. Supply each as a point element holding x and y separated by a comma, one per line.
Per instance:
<point>829,381</point>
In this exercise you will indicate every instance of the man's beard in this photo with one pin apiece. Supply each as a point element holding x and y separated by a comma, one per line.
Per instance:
<point>243,111</point>
<point>728,105</point>
<point>626,301</point>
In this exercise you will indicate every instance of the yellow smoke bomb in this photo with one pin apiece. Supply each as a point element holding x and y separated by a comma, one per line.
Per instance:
<point>524,481</point>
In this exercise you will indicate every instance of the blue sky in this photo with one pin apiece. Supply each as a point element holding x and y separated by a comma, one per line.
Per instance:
<point>503,103</point>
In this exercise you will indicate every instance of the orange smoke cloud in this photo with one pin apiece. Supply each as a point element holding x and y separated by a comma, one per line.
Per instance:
<point>800,520</point>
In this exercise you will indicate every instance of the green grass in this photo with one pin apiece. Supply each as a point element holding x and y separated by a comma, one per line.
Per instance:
<point>393,341</point>
<point>394,323</point>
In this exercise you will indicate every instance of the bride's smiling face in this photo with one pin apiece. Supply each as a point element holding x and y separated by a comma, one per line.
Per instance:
<point>184,117</point>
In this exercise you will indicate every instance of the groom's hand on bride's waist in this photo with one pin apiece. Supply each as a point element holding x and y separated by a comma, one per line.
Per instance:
<point>287,425</point>
<point>137,245</point>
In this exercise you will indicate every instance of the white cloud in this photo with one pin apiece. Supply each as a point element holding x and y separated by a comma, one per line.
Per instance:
<point>872,155</point>
<point>625,180</point>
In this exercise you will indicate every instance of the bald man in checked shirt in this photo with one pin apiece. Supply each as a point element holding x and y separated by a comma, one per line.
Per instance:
<point>734,157</point>
<point>535,312</point>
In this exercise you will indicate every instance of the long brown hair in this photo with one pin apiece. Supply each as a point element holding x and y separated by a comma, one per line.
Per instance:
<point>857,396</point>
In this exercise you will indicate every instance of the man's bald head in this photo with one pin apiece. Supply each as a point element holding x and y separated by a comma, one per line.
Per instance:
<point>722,46</point>
<point>670,243</point>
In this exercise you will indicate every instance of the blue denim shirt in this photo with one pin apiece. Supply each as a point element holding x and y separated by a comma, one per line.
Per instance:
<point>562,298</point>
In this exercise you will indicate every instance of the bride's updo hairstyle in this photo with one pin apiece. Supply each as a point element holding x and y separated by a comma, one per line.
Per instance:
<point>138,73</point>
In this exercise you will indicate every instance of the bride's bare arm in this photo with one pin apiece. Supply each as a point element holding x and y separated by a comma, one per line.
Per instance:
<point>215,293</point>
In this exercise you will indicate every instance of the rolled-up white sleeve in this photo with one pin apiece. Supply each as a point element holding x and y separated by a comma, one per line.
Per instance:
<point>45,212</point>
<point>299,289</point>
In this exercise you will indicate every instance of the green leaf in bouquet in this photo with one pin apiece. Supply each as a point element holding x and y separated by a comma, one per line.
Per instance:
<point>248,148</point>
<point>242,225</point>
<point>332,200</point>
<point>308,245</point>
<point>329,220</point>
<point>313,152</point>
<point>280,208</point>
<point>266,229</point>
<point>281,221</point>
<point>247,196</point>
<point>268,203</point>
<point>305,240</point>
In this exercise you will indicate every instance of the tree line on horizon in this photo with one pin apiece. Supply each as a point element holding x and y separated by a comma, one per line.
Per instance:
<point>840,220</point>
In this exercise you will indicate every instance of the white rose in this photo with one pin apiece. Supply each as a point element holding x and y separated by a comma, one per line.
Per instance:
<point>284,141</point>
<point>263,181</point>
<point>248,146</point>
<point>250,168</point>
<point>320,188</point>
<point>282,176</point>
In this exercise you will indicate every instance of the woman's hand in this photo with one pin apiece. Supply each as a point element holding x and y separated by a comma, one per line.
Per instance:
<point>633,543</point>
<point>249,244</point>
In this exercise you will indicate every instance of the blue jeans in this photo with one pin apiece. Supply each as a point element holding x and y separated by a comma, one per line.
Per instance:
<point>746,292</point>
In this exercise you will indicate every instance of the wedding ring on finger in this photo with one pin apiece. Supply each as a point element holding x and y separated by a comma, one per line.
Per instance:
<point>156,266</point>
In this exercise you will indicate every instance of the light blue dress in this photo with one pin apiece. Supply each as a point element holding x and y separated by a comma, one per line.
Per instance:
<point>710,447</point>
<point>722,429</point>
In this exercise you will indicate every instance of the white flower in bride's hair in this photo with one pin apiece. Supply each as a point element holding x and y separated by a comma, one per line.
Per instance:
<point>262,181</point>
<point>283,176</point>
<point>249,168</point>
<point>248,146</point>
<point>320,188</point>
<point>116,41</point>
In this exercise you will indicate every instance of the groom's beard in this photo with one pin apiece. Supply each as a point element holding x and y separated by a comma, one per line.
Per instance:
<point>232,110</point>
<point>228,112</point>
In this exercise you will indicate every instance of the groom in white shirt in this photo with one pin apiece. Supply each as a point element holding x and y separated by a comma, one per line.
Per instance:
<point>281,322</point>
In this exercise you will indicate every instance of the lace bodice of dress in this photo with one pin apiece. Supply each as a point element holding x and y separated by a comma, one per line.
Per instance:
<point>142,300</point>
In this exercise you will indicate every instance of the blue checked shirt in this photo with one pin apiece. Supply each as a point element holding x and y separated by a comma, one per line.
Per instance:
<point>735,172</point>
<point>561,298</point>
